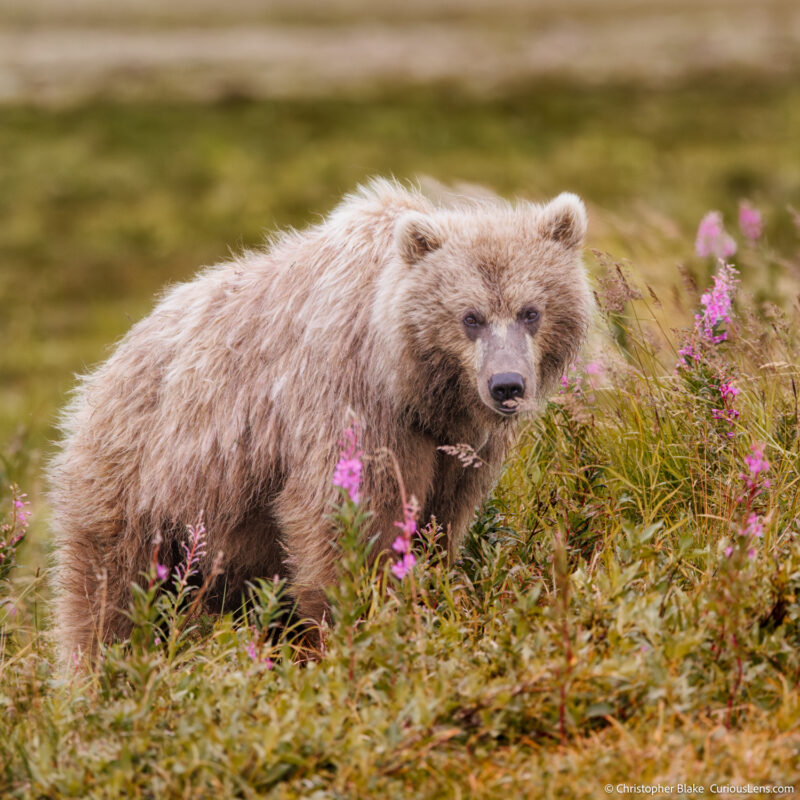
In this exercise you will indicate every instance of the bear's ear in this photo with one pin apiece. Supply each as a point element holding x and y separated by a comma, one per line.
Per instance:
<point>415,235</point>
<point>564,220</point>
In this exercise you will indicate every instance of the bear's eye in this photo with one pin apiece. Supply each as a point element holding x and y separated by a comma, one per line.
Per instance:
<point>472,320</point>
<point>530,315</point>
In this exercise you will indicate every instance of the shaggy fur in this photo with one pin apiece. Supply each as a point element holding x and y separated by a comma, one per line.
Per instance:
<point>232,396</point>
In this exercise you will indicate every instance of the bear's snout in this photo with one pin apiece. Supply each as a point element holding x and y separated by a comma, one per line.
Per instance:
<point>507,388</point>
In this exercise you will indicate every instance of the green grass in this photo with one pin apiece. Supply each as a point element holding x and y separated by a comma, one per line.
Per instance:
<point>586,636</point>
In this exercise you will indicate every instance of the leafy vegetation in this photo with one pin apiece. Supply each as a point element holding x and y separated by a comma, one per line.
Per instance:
<point>626,607</point>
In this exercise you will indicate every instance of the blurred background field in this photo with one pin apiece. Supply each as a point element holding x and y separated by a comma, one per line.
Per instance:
<point>140,140</point>
<point>123,170</point>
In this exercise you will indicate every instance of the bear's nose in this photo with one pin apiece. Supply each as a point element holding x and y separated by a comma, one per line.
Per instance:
<point>506,386</point>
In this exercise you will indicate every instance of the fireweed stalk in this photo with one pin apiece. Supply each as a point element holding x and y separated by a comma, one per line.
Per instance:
<point>402,544</point>
<point>736,567</point>
<point>728,413</point>
<point>348,476</point>
<point>699,361</point>
<point>162,604</point>
<point>350,466</point>
<point>717,305</point>
<point>254,646</point>
<point>755,484</point>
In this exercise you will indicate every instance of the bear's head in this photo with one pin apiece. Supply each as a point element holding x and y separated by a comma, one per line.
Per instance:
<point>496,292</point>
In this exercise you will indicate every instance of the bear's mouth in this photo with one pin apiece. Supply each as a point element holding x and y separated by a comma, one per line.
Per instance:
<point>507,408</point>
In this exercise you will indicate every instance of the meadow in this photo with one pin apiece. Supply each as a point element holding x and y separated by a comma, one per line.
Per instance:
<point>626,608</point>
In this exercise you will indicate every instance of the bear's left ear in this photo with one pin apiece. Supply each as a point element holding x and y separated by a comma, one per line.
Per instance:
<point>564,220</point>
<point>416,235</point>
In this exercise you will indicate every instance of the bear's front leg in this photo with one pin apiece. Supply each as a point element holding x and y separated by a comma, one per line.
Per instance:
<point>307,539</point>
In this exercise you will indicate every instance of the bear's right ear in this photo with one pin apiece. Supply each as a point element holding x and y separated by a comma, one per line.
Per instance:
<point>564,220</point>
<point>415,236</point>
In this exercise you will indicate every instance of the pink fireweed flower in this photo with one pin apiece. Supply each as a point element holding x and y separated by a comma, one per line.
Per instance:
<point>717,304</point>
<point>22,511</point>
<point>349,467</point>
<point>755,479</point>
<point>571,380</point>
<point>750,222</point>
<point>729,391</point>
<point>162,572</point>
<point>754,526</point>
<point>595,368</point>
<point>712,239</point>
<point>687,354</point>
<point>595,371</point>
<point>403,567</point>
<point>402,544</point>
<point>252,652</point>
<point>755,460</point>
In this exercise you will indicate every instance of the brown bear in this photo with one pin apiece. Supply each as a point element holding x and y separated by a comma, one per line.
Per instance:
<point>432,323</point>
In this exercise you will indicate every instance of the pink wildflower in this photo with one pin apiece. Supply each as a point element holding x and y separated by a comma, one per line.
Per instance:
<point>750,222</point>
<point>687,354</point>
<point>252,652</point>
<point>22,510</point>
<point>755,461</point>
<point>728,551</point>
<point>728,391</point>
<point>402,568</point>
<point>727,413</point>
<point>755,480</point>
<point>162,572</point>
<point>712,240</point>
<point>754,526</point>
<point>349,467</point>
<point>717,304</point>
<point>571,380</point>
<point>595,370</point>
<point>402,544</point>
